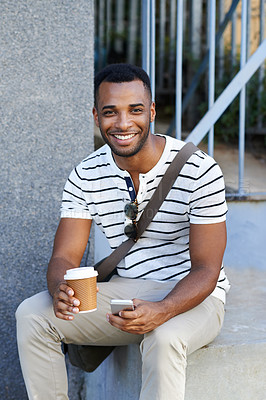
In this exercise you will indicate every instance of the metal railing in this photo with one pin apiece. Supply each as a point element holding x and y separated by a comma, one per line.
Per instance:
<point>238,83</point>
<point>169,31</point>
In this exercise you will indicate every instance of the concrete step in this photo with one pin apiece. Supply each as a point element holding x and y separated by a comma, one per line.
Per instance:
<point>232,367</point>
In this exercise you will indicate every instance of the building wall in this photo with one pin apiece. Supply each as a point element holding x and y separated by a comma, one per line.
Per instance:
<point>47,58</point>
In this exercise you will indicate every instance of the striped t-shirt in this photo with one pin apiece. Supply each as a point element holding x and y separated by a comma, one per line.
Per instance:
<point>97,189</point>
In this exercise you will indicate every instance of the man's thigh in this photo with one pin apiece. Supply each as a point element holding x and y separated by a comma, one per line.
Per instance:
<point>194,328</point>
<point>86,328</point>
<point>93,328</point>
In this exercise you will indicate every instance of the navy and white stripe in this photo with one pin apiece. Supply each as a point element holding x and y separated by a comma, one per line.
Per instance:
<point>97,190</point>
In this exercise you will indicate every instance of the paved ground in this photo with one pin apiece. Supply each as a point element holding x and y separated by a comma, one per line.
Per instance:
<point>245,320</point>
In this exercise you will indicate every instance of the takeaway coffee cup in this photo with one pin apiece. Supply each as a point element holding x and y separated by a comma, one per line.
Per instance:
<point>83,281</point>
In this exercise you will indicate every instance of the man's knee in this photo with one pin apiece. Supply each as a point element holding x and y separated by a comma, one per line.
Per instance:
<point>30,316</point>
<point>164,361</point>
<point>164,343</point>
<point>24,322</point>
<point>22,310</point>
<point>40,303</point>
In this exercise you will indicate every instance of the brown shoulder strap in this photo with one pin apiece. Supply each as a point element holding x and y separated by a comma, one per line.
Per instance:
<point>164,186</point>
<point>106,267</point>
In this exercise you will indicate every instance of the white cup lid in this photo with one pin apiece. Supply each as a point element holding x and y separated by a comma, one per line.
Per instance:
<point>80,273</point>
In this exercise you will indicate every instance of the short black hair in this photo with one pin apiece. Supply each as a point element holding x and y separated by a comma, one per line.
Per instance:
<point>118,73</point>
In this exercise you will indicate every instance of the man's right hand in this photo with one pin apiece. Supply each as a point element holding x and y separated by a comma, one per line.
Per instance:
<point>70,243</point>
<point>64,302</point>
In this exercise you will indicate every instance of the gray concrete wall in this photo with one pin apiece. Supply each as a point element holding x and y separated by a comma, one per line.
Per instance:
<point>246,233</point>
<point>46,57</point>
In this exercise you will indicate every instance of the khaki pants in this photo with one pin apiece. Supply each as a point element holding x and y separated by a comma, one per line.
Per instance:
<point>164,350</point>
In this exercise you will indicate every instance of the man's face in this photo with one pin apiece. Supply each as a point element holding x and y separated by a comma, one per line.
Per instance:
<point>123,114</point>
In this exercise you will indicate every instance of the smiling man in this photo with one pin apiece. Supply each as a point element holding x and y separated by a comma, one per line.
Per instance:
<point>174,273</point>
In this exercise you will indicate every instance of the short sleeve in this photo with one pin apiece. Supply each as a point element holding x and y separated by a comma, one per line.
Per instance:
<point>207,200</point>
<point>74,204</point>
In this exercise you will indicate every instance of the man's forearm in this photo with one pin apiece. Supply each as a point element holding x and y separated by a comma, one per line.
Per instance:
<point>190,291</point>
<point>56,271</point>
<point>207,245</point>
<point>148,315</point>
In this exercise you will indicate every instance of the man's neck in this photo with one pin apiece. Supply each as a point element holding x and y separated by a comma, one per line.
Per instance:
<point>144,160</point>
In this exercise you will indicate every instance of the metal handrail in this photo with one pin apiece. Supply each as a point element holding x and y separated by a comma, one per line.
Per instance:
<point>238,83</point>
<point>228,95</point>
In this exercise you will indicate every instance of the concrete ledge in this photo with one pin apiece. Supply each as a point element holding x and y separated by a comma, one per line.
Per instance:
<point>230,368</point>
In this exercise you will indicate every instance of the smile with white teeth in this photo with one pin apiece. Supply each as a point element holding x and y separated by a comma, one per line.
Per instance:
<point>124,137</point>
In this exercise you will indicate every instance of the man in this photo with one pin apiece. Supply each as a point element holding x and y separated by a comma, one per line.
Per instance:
<point>174,272</point>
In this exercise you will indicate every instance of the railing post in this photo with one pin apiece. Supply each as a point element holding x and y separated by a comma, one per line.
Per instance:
<point>100,46</point>
<point>153,44</point>
<point>179,56</point>
<point>119,24</point>
<point>242,103</point>
<point>108,25</point>
<point>221,42</point>
<point>172,39</point>
<point>145,33</point>
<point>211,24</point>
<point>233,42</point>
<point>148,43</point>
<point>132,34</point>
<point>162,16</point>
<point>262,68</point>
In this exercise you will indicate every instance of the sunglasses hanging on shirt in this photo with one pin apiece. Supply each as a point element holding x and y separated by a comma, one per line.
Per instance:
<point>131,211</point>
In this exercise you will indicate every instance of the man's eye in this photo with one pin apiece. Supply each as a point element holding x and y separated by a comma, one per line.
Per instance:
<point>108,112</point>
<point>137,110</point>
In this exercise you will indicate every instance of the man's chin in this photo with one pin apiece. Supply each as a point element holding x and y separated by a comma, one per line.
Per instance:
<point>127,151</point>
<point>124,153</point>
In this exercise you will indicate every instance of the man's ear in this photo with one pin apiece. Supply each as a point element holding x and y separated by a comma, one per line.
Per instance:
<point>152,111</point>
<point>95,115</point>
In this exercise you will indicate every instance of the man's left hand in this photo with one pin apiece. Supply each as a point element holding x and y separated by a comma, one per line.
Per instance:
<point>146,317</point>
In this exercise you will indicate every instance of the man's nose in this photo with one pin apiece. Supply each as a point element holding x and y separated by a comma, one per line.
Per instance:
<point>123,121</point>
